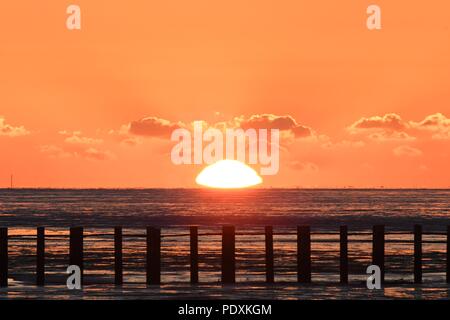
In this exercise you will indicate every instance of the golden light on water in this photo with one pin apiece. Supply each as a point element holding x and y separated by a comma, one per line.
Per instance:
<point>228,174</point>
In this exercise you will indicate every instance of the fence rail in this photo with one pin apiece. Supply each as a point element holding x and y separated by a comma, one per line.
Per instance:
<point>154,237</point>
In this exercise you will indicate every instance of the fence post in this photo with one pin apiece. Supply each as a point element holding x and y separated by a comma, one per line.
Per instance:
<point>448,255</point>
<point>3,257</point>
<point>303,254</point>
<point>149,241</point>
<point>228,255</point>
<point>378,248</point>
<point>118,267</point>
<point>194,253</point>
<point>417,254</point>
<point>343,266</point>
<point>40,256</point>
<point>269,254</point>
<point>76,248</point>
<point>153,255</point>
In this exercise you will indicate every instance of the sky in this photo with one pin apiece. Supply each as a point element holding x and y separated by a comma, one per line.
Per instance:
<point>95,107</point>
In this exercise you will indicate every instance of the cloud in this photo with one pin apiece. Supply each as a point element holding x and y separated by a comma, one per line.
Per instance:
<point>123,136</point>
<point>55,152</point>
<point>407,151</point>
<point>131,142</point>
<point>162,128</point>
<point>94,154</point>
<point>90,153</point>
<point>433,122</point>
<point>153,127</point>
<point>10,131</point>
<point>437,123</point>
<point>389,127</point>
<point>343,144</point>
<point>442,135</point>
<point>75,137</point>
<point>271,121</point>
<point>391,136</point>
<point>390,121</point>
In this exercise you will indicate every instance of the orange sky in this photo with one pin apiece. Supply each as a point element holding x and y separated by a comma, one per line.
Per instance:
<point>67,97</point>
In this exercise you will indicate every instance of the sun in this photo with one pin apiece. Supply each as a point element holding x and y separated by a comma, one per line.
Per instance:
<point>228,174</point>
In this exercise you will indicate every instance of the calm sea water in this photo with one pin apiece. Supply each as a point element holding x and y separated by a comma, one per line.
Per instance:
<point>399,209</point>
<point>249,210</point>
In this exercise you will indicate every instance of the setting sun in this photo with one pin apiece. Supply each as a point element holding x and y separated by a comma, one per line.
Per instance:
<point>228,174</point>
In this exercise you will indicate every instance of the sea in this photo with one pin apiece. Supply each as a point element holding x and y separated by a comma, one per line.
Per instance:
<point>249,210</point>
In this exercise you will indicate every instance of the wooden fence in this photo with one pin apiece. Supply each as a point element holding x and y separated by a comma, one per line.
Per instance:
<point>228,261</point>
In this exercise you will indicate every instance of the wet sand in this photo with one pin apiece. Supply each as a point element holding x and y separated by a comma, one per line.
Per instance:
<point>283,291</point>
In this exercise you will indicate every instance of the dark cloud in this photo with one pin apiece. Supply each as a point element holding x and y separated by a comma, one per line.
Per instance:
<point>153,127</point>
<point>271,121</point>
<point>390,121</point>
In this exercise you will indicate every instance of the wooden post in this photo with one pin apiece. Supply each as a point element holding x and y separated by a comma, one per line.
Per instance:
<point>303,254</point>
<point>448,255</point>
<point>343,266</point>
<point>194,254</point>
<point>417,254</point>
<point>3,257</point>
<point>153,255</point>
<point>118,267</point>
<point>378,248</point>
<point>40,256</point>
<point>76,248</point>
<point>228,255</point>
<point>269,255</point>
<point>149,243</point>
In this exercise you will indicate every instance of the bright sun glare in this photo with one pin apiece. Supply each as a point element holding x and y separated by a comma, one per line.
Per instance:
<point>228,174</point>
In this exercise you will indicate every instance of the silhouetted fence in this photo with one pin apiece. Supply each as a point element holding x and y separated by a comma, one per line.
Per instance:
<point>228,253</point>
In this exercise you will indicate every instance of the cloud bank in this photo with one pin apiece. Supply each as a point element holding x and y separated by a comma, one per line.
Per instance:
<point>11,131</point>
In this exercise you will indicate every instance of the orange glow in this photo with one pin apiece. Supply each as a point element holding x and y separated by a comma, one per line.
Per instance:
<point>228,174</point>
<point>67,97</point>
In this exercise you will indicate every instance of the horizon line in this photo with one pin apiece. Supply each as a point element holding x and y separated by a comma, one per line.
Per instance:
<point>225,189</point>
